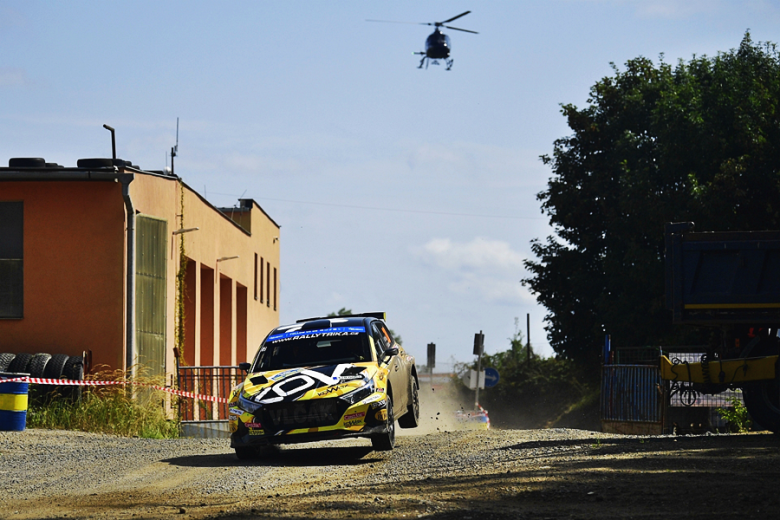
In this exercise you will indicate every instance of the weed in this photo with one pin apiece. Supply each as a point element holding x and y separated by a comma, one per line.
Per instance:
<point>736,415</point>
<point>116,409</point>
<point>597,445</point>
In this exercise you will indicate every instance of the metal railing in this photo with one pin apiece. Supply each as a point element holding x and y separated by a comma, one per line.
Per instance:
<point>216,381</point>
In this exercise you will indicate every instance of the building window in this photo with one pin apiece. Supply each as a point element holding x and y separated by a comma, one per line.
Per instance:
<point>274,288</point>
<point>268,285</point>
<point>11,260</point>
<point>262,278</point>
<point>255,276</point>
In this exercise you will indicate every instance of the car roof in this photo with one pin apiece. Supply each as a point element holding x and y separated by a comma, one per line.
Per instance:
<point>324,323</point>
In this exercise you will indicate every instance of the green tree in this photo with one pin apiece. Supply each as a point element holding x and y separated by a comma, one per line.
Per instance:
<point>346,312</point>
<point>699,141</point>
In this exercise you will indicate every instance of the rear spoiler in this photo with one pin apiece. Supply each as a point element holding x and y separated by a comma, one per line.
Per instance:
<point>377,315</point>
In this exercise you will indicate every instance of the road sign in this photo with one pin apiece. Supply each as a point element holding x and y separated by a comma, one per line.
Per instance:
<point>479,343</point>
<point>491,377</point>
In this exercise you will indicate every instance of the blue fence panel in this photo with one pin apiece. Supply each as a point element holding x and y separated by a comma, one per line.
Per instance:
<point>631,393</point>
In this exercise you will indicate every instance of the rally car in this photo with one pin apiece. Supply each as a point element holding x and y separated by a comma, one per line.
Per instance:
<point>325,378</point>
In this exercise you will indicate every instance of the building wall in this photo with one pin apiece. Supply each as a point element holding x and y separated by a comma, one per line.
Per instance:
<point>217,281</point>
<point>74,271</point>
<point>74,252</point>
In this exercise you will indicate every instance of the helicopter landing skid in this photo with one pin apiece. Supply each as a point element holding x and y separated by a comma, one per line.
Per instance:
<point>425,60</point>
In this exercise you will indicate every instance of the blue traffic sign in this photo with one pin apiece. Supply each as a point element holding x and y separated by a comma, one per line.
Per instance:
<point>491,377</point>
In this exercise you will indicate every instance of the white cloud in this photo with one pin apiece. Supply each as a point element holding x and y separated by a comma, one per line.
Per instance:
<point>489,269</point>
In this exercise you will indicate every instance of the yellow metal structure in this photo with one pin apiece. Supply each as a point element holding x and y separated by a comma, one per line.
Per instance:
<point>726,372</point>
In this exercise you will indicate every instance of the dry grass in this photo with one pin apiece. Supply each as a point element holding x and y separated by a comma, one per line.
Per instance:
<point>127,410</point>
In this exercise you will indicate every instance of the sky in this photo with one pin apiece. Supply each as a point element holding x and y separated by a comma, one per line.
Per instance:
<point>398,189</point>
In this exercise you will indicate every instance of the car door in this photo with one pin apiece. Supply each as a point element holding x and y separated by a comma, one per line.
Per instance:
<point>399,380</point>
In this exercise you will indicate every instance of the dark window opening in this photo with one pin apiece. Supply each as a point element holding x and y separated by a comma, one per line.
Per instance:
<point>255,276</point>
<point>11,260</point>
<point>268,284</point>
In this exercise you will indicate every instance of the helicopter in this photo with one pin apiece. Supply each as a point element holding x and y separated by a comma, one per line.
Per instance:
<point>437,45</point>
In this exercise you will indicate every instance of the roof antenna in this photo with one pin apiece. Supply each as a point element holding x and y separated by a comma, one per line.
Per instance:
<point>175,149</point>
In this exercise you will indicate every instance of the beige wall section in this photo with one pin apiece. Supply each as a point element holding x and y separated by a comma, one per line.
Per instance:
<point>218,237</point>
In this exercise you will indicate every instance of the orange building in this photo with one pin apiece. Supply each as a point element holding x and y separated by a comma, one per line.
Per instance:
<point>106,257</point>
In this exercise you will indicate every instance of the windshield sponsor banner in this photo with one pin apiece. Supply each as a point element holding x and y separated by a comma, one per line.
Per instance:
<point>318,333</point>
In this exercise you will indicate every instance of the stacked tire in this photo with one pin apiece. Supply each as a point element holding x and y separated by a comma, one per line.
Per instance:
<point>42,365</point>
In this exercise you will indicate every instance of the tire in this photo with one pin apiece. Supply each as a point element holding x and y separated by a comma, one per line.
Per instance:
<point>411,419</point>
<point>763,403</point>
<point>74,368</point>
<point>56,366</point>
<point>5,360</point>
<point>38,364</point>
<point>246,453</point>
<point>101,163</point>
<point>20,363</point>
<point>762,398</point>
<point>26,162</point>
<point>386,441</point>
<point>74,371</point>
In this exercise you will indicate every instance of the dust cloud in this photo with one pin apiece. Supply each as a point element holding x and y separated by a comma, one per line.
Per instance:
<point>438,408</point>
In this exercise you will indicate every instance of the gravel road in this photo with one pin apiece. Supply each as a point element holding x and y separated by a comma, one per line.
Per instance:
<point>488,474</point>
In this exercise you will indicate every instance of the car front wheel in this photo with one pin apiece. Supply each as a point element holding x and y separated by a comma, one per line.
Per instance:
<point>386,441</point>
<point>411,419</point>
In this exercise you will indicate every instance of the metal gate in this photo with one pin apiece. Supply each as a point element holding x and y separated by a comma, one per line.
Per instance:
<point>215,381</point>
<point>632,399</point>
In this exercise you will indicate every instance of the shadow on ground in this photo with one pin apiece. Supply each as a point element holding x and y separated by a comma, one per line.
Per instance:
<point>284,457</point>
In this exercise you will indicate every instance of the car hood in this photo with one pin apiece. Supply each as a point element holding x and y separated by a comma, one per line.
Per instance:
<point>316,382</point>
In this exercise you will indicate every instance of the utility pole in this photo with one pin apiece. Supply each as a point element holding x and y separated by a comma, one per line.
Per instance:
<point>528,336</point>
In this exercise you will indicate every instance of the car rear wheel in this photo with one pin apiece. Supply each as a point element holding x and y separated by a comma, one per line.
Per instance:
<point>411,419</point>
<point>386,441</point>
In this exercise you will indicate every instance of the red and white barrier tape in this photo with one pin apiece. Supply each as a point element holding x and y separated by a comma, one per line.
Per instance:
<point>68,382</point>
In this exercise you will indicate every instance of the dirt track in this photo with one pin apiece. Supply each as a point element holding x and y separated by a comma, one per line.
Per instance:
<point>497,474</point>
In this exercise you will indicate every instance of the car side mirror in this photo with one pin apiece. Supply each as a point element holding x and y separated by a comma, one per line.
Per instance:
<point>393,351</point>
<point>245,366</point>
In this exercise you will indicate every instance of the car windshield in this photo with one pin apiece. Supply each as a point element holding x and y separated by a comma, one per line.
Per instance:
<point>313,347</point>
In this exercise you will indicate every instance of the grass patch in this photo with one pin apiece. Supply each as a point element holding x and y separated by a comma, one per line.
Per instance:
<point>125,410</point>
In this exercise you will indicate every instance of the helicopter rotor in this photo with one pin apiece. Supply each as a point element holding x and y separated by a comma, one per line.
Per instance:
<point>435,24</point>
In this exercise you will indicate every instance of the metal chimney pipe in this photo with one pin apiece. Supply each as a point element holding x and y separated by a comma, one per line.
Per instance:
<point>113,140</point>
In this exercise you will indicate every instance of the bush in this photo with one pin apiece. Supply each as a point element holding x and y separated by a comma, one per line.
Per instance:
<point>736,415</point>
<point>533,392</point>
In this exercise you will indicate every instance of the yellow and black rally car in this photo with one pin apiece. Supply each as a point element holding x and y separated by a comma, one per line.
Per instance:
<point>325,378</point>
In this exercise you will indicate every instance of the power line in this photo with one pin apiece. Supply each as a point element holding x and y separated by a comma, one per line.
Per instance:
<point>396,210</point>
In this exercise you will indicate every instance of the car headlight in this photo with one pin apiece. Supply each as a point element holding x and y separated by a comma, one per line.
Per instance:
<point>361,393</point>
<point>248,405</point>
